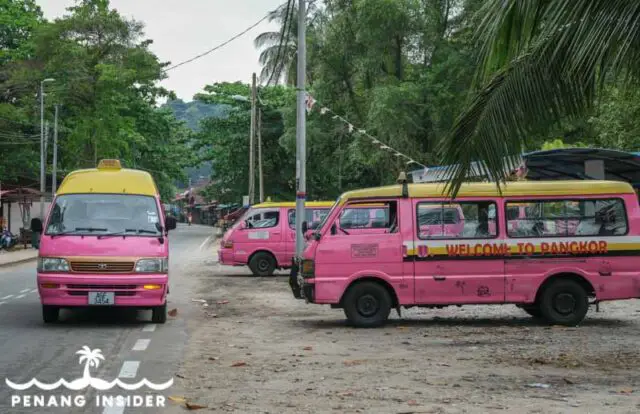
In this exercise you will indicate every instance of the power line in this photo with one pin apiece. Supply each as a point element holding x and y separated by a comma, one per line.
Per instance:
<point>220,45</point>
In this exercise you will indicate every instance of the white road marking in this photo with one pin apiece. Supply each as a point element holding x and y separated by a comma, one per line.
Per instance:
<point>205,242</point>
<point>149,328</point>
<point>20,296</point>
<point>34,290</point>
<point>24,290</point>
<point>2,303</point>
<point>141,344</point>
<point>7,297</point>
<point>129,369</point>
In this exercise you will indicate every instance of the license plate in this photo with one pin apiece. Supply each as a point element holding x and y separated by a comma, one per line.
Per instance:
<point>102,298</point>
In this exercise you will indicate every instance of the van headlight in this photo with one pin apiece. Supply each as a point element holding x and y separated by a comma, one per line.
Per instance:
<point>156,265</point>
<point>52,264</point>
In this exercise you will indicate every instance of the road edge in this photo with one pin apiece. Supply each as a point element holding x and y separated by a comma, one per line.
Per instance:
<point>18,262</point>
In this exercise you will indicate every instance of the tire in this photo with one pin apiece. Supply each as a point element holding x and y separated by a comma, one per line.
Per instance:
<point>367,305</point>
<point>564,302</point>
<point>262,264</point>
<point>533,311</point>
<point>159,314</point>
<point>50,314</point>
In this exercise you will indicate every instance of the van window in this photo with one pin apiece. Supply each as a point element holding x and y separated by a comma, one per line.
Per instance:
<point>314,216</point>
<point>364,218</point>
<point>82,214</point>
<point>263,219</point>
<point>567,218</point>
<point>463,220</point>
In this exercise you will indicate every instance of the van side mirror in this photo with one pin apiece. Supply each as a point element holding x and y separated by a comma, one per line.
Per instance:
<point>305,227</point>
<point>36,225</point>
<point>171,223</point>
<point>334,230</point>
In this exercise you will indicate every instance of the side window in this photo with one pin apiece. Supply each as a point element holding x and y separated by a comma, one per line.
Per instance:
<point>463,220</point>
<point>314,217</point>
<point>565,218</point>
<point>264,220</point>
<point>373,220</point>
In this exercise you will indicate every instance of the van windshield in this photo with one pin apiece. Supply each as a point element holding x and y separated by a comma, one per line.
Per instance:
<point>96,214</point>
<point>326,217</point>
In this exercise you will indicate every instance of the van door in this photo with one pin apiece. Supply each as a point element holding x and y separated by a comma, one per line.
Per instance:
<point>343,255</point>
<point>459,253</point>
<point>263,232</point>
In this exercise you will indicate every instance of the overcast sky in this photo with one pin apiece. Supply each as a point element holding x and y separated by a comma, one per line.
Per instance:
<point>185,28</point>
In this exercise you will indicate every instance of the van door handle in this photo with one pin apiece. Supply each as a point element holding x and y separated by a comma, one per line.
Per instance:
<point>604,273</point>
<point>439,278</point>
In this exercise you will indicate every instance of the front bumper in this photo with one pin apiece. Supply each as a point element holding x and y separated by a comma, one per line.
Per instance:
<point>227,257</point>
<point>300,287</point>
<point>129,291</point>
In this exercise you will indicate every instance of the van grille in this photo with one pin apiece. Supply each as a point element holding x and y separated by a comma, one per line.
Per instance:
<point>106,267</point>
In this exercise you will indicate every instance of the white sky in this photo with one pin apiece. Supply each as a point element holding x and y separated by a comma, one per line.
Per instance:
<point>185,28</point>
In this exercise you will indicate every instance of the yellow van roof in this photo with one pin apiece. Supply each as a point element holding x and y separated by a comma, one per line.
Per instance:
<point>108,178</point>
<point>515,188</point>
<point>292,204</point>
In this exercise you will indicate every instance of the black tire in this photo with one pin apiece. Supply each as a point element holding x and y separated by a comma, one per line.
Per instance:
<point>367,305</point>
<point>533,311</point>
<point>50,314</point>
<point>564,302</point>
<point>262,264</point>
<point>159,314</point>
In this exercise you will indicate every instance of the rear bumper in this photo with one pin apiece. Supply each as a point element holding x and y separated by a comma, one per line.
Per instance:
<point>129,290</point>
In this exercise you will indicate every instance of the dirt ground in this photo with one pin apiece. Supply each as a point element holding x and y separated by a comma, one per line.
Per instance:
<point>265,352</point>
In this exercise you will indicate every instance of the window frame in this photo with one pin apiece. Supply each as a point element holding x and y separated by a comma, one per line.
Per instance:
<point>552,200</point>
<point>492,200</point>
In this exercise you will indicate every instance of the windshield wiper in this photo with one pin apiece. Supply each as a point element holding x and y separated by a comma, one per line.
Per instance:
<point>125,231</point>
<point>77,229</point>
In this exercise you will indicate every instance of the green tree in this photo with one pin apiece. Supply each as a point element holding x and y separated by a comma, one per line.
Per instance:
<point>225,142</point>
<point>541,63</point>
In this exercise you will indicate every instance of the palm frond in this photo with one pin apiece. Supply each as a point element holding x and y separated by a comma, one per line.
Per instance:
<point>521,100</point>
<point>266,39</point>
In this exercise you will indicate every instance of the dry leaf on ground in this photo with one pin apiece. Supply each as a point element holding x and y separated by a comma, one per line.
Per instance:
<point>194,406</point>
<point>239,364</point>
<point>179,400</point>
<point>173,312</point>
<point>222,302</point>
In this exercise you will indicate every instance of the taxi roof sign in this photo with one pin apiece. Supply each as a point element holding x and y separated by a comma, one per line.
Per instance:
<point>109,165</point>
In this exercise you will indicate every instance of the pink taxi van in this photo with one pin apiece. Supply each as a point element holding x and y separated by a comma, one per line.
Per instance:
<point>105,243</point>
<point>551,248</point>
<point>264,237</point>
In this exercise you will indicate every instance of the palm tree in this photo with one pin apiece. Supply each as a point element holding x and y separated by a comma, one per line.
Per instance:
<point>279,50</point>
<point>541,61</point>
<point>91,358</point>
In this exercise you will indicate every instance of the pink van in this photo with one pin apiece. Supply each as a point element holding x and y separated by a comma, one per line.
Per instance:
<point>551,248</point>
<point>105,243</point>
<point>264,238</point>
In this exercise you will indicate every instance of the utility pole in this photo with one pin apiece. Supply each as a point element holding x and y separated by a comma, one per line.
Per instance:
<point>252,150</point>
<point>301,194</point>
<point>46,143</point>
<point>54,184</point>
<point>259,132</point>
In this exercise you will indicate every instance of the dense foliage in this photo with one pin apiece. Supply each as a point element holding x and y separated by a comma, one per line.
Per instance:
<point>105,84</point>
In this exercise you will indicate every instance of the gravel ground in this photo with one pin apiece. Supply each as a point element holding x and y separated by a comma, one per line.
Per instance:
<point>265,352</point>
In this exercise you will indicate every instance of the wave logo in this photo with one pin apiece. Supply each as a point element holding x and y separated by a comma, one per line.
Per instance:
<point>91,359</point>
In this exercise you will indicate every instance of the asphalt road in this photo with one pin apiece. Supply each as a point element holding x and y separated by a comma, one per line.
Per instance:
<point>133,348</point>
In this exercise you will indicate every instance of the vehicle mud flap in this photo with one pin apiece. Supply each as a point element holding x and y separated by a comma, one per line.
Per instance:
<point>293,281</point>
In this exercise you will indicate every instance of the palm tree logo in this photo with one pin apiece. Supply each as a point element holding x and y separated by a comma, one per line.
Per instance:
<point>91,359</point>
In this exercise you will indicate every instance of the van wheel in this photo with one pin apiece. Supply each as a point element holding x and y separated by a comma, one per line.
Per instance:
<point>159,314</point>
<point>262,264</point>
<point>564,302</point>
<point>50,314</point>
<point>367,305</point>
